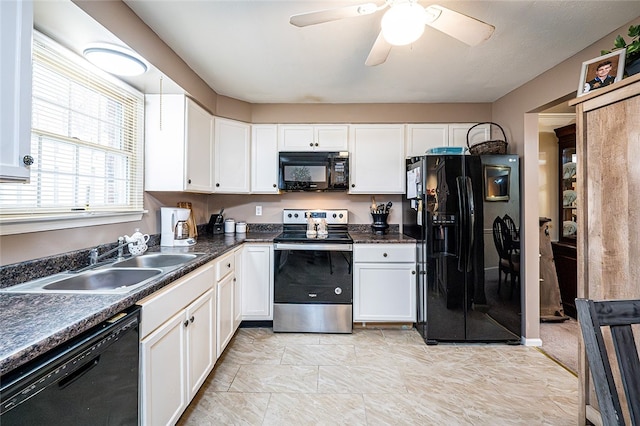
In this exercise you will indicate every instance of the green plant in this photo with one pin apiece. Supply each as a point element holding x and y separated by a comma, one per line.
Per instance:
<point>633,47</point>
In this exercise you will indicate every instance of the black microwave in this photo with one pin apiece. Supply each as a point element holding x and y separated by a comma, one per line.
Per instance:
<point>313,171</point>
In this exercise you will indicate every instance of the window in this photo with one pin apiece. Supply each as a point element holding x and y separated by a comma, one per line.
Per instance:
<point>86,139</point>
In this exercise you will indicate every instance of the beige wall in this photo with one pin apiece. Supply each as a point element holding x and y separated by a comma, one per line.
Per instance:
<point>371,113</point>
<point>511,111</point>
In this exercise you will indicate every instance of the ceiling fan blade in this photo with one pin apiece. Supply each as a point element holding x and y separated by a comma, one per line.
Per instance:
<point>379,52</point>
<point>462,27</point>
<point>320,16</point>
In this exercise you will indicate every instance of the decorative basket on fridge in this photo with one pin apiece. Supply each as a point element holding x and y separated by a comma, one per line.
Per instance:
<point>497,146</point>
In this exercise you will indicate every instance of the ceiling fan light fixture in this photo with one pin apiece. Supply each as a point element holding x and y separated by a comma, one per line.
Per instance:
<point>403,23</point>
<point>115,60</point>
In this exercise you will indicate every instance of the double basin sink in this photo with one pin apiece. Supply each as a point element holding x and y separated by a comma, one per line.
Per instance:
<point>118,277</point>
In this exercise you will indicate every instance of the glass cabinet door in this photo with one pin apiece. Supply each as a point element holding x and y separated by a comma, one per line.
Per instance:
<point>568,186</point>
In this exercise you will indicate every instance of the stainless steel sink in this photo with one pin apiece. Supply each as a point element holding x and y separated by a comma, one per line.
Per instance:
<point>105,281</point>
<point>119,277</point>
<point>156,260</point>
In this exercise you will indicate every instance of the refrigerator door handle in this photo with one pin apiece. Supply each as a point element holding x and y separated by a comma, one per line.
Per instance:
<point>471,223</point>
<point>460,226</point>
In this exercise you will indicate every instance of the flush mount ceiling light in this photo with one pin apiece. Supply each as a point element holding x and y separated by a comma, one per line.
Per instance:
<point>115,59</point>
<point>403,23</point>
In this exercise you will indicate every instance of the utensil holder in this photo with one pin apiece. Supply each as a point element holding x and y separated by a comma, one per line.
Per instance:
<point>380,225</point>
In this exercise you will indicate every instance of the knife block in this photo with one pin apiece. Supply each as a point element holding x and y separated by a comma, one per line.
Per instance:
<point>380,225</point>
<point>216,224</point>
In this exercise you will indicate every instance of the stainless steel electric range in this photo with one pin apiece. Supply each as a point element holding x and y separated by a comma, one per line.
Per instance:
<point>313,273</point>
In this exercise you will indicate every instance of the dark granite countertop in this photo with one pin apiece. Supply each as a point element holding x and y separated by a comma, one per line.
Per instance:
<point>371,238</point>
<point>32,324</point>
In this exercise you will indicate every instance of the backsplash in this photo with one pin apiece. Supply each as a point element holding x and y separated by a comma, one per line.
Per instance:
<point>18,273</point>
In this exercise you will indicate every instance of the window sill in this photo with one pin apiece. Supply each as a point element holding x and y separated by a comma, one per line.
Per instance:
<point>10,225</point>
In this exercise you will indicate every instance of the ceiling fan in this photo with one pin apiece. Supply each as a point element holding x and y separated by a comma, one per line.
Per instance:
<point>402,24</point>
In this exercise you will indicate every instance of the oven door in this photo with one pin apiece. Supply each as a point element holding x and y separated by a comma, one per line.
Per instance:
<point>313,273</point>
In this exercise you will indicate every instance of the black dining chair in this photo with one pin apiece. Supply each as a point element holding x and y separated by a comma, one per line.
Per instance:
<point>511,227</point>
<point>509,257</point>
<point>618,316</point>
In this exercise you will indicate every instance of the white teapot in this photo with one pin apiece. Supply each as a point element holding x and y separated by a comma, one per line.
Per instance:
<point>137,242</point>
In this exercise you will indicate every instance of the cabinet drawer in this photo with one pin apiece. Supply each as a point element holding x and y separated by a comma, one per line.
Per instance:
<point>384,253</point>
<point>163,304</point>
<point>224,266</point>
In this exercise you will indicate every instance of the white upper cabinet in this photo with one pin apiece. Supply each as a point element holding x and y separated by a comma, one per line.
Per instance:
<point>231,156</point>
<point>458,134</point>
<point>307,137</point>
<point>421,137</point>
<point>178,145</point>
<point>377,163</point>
<point>264,159</point>
<point>16,25</point>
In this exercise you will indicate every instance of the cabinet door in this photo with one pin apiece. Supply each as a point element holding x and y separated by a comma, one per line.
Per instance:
<point>163,373</point>
<point>331,137</point>
<point>421,137</point>
<point>306,137</point>
<point>384,292</point>
<point>458,134</point>
<point>16,18</point>
<point>231,146</point>
<point>224,314</point>
<point>199,146</point>
<point>377,159</point>
<point>295,137</point>
<point>237,289</point>
<point>201,341</point>
<point>257,282</point>
<point>264,159</point>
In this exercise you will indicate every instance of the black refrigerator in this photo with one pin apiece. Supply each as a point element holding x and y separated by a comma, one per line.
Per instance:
<point>449,208</point>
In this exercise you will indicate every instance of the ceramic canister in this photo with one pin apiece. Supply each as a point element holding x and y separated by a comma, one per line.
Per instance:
<point>229,226</point>
<point>241,227</point>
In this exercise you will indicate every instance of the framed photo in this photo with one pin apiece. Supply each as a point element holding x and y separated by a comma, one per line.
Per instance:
<point>601,71</point>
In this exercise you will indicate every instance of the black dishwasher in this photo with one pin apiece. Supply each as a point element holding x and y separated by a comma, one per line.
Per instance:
<point>90,380</point>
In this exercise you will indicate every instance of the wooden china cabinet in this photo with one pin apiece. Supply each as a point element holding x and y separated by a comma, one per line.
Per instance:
<point>564,251</point>
<point>608,243</point>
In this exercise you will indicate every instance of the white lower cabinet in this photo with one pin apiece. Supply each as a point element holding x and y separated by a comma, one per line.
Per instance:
<point>257,282</point>
<point>226,305</point>
<point>384,283</point>
<point>177,346</point>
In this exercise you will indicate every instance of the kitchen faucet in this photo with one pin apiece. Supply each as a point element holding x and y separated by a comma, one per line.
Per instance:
<point>94,257</point>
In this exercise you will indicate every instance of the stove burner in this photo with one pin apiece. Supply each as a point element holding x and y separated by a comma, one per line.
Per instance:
<point>301,236</point>
<point>295,226</point>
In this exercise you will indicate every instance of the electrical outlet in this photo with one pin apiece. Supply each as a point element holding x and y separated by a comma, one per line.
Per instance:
<point>258,210</point>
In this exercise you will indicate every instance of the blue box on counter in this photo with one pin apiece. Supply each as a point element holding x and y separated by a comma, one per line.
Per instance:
<point>447,150</point>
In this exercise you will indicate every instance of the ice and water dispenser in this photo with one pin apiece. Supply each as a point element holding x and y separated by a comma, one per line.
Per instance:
<point>443,234</point>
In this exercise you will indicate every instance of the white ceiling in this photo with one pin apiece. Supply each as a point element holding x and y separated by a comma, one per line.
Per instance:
<point>246,49</point>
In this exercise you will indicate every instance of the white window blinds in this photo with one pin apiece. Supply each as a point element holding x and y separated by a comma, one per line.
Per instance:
<point>86,139</point>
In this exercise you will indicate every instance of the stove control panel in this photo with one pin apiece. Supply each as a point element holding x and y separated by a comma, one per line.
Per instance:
<point>332,217</point>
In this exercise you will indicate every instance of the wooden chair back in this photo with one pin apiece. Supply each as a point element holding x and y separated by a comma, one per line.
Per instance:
<point>618,316</point>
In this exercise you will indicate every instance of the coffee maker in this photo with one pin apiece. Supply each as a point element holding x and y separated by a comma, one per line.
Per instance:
<point>175,229</point>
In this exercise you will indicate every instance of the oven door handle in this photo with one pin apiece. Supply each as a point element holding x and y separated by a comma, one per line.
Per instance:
<point>313,246</point>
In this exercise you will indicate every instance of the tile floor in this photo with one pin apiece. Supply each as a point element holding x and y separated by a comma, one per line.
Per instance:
<point>380,377</point>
